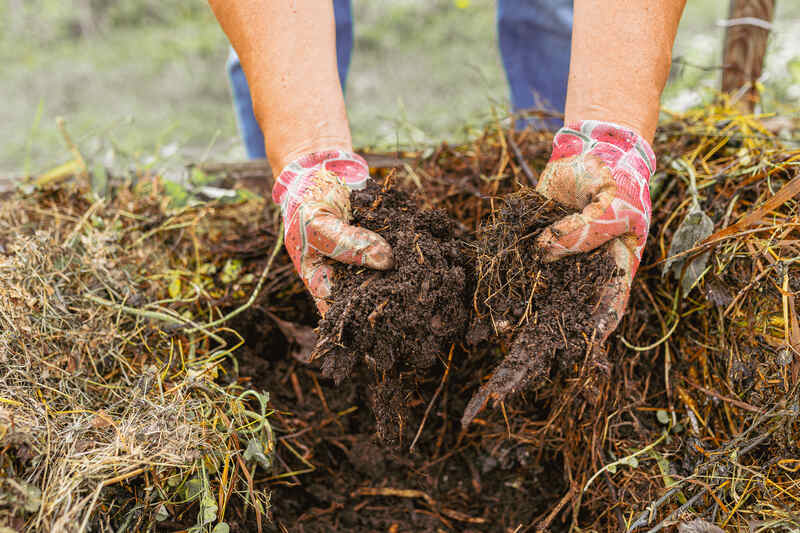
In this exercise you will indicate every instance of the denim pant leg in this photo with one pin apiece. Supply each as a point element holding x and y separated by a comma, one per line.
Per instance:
<point>534,40</point>
<point>242,103</point>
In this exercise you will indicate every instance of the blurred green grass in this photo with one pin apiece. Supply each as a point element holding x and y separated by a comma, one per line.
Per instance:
<point>144,80</point>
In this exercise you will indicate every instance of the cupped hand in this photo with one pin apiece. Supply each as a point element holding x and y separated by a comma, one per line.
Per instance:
<point>314,194</point>
<point>603,170</point>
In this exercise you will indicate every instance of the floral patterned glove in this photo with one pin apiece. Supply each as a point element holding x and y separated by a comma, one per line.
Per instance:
<point>314,194</point>
<point>603,169</point>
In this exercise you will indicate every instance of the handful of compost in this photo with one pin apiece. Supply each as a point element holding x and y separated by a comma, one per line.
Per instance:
<point>555,298</point>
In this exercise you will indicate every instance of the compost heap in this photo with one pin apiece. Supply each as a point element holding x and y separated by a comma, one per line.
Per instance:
<point>694,416</point>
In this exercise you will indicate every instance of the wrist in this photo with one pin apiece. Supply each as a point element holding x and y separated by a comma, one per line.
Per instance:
<point>643,123</point>
<point>613,143</point>
<point>343,166</point>
<point>280,159</point>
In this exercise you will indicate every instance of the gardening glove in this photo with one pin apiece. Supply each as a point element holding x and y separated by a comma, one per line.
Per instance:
<point>314,194</point>
<point>604,170</point>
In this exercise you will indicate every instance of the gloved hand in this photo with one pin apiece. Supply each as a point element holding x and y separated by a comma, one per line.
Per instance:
<point>314,194</point>
<point>604,170</point>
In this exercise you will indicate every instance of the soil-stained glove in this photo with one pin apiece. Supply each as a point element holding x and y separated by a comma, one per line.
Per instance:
<point>604,170</point>
<point>314,194</point>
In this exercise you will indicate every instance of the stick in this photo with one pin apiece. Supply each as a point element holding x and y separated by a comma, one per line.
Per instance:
<point>435,395</point>
<point>521,160</point>
<point>243,307</point>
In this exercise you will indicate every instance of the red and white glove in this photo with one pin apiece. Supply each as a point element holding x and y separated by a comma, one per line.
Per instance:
<point>314,194</point>
<point>604,170</point>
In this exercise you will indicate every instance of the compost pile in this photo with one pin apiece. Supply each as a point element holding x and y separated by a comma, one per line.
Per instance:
<point>693,414</point>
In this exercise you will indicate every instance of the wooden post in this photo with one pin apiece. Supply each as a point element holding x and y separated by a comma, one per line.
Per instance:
<point>748,28</point>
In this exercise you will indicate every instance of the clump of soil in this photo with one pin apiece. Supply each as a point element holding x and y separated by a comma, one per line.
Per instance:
<point>404,317</point>
<point>546,309</point>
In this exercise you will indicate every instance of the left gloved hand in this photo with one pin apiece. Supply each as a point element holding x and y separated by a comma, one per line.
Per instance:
<point>604,170</point>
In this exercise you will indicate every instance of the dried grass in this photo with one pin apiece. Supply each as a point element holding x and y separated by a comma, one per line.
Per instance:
<point>106,378</point>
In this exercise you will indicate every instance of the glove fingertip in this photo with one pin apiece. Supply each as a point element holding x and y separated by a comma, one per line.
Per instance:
<point>551,249</point>
<point>379,255</point>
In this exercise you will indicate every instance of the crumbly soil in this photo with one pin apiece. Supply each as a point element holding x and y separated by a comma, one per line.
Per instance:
<point>403,318</point>
<point>545,310</point>
<point>451,481</point>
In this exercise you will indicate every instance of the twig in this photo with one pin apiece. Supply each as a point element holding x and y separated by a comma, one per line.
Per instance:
<point>433,400</point>
<point>737,403</point>
<point>410,493</point>
<point>254,295</point>
<point>624,460</point>
<point>544,524</point>
<point>691,501</point>
<point>521,160</point>
<point>62,127</point>
<point>154,315</point>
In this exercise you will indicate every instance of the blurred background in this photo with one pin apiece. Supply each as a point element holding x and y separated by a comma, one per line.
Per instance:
<point>143,82</point>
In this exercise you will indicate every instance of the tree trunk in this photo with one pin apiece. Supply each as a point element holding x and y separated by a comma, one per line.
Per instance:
<point>745,47</point>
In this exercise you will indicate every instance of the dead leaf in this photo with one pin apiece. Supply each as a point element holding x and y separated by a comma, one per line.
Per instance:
<point>101,420</point>
<point>718,293</point>
<point>698,525</point>
<point>303,337</point>
<point>695,227</point>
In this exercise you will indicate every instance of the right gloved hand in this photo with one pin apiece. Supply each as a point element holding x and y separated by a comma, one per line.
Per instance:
<point>602,169</point>
<point>314,194</point>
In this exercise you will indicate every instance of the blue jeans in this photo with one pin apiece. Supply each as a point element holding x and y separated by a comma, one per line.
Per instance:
<point>534,37</point>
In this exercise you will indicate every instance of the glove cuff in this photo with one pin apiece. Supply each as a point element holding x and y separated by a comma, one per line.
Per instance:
<point>295,177</point>
<point>614,144</point>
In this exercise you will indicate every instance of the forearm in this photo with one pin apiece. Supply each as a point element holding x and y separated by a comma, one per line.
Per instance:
<point>621,55</point>
<point>288,53</point>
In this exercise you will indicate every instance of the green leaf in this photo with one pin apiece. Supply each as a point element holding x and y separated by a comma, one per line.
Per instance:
<point>663,416</point>
<point>631,461</point>
<point>174,288</point>
<point>177,194</point>
<point>222,527</point>
<point>99,181</point>
<point>793,67</point>
<point>244,195</point>
<point>161,513</point>
<point>201,178</point>
<point>663,467</point>
<point>208,510</point>
<point>193,489</point>
<point>255,452</point>
<point>207,269</point>
<point>231,270</point>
